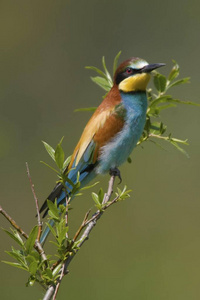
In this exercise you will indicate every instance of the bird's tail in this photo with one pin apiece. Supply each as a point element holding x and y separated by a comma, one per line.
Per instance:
<point>59,193</point>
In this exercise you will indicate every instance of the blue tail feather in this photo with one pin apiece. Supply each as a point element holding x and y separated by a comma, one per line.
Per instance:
<point>60,194</point>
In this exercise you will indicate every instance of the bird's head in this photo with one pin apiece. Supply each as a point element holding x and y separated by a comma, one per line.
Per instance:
<point>134,74</point>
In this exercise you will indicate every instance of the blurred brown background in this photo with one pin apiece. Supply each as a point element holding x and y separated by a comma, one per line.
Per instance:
<point>147,247</point>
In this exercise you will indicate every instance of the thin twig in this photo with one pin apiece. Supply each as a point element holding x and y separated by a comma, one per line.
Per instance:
<point>99,212</point>
<point>52,289</point>
<point>37,245</point>
<point>36,203</point>
<point>82,226</point>
<point>13,223</point>
<point>59,282</point>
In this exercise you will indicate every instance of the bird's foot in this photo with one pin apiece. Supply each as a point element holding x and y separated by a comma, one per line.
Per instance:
<point>116,172</point>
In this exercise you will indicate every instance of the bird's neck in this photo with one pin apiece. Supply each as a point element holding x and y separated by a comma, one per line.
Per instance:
<point>135,103</point>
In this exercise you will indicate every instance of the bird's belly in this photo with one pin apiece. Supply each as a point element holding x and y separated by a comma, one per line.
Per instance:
<point>120,147</point>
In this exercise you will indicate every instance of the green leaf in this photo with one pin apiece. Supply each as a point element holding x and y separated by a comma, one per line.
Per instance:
<point>129,160</point>
<point>101,195</point>
<point>62,235</point>
<point>15,236</point>
<point>157,128</point>
<point>162,107</point>
<point>86,109</point>
<point>174,72</point>
<point>47,273</point>
<point>116,62</point>
<point>178,82</point>
<point>109,79</point>
<point>97,70</point>
<point>67,161</point>
<point>76,187</point>
<point>103,83</point>
<point>52,230</point>
<point>89,186</point>
<point>164,99</point>
<point>169,99</point>
<point>157,144</point>
<point>56,270</point>
<point>30,257</point>
<point>33,268</point>
<point>96,198</point>
<point>123,194</point>
<point>69,181</point>
<point>160,82</point>
<point>59,156</point>
<point>50,150</point>
<point>49,166</point>
<point>19,266</point>
<point>53,209</point>
<point>31,240</point>
<point>18,256</point>
<point>179,148</point>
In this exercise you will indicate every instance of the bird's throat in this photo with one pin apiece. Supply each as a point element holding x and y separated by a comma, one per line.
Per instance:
<point>135,83</point>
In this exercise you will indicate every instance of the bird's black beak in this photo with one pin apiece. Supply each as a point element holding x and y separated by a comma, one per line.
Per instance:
<point>151,67</point>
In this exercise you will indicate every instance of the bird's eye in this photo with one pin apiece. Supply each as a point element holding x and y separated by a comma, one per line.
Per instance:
<point>129,71</point>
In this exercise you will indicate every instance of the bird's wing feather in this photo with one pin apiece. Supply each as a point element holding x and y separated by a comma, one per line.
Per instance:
<point>100,129</point>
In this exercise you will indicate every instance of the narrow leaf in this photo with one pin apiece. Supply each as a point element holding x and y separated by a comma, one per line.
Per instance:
<point>86,109</point>
<point>116,62</point>
<point>103,83</point>
<point>179,148</point>
<point>33,268</point>
<point>53,208</point>
<point>15,265</point>
<point>59,156</point>
<point>16,237</point>
<point>89,186</point>
<point>49,166</point>
<point>95,198</point>
<point>16,256</point>
<point>31,240</point>
<point>178,82</point>
<point>100,195</point>
<point>56,270</point>
<point>52,229</point>
<point>97,70</point>
<point>160,82</point>
<point>174,72</point>
<point>50,150</point>
<point>109,79</point>
<point>67,161</point>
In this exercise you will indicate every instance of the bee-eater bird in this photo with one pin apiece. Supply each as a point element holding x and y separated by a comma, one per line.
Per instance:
<point>113,130</point>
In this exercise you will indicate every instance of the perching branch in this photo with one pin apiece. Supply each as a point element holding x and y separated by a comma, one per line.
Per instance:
<point>89,224</point>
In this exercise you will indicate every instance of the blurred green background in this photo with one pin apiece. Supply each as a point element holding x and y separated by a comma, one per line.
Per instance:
<point>148,246</point>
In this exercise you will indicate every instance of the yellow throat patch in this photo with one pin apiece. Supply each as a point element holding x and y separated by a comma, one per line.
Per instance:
<point>135,83</point>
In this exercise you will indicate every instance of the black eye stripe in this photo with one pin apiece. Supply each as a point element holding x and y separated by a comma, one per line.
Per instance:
<point>126,73</point>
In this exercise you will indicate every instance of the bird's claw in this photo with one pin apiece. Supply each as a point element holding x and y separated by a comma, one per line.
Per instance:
<point>116,172</point>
